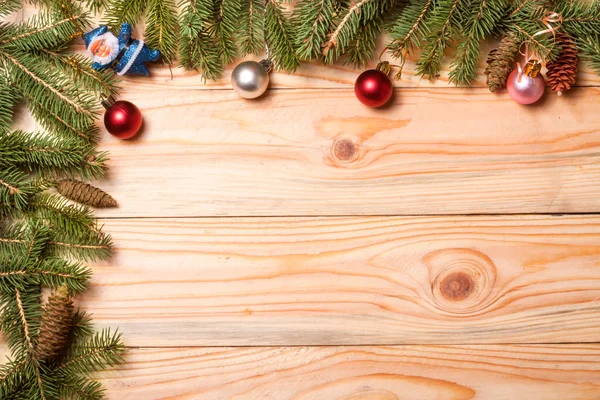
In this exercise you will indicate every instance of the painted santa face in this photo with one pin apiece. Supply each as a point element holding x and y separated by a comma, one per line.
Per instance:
<point>99,48</point>
<point>104,48</point>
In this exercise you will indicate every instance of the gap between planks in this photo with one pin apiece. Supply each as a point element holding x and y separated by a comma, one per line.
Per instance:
<point>176,217</point>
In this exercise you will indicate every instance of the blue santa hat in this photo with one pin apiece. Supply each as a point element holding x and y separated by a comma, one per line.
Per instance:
<point>89,37</point>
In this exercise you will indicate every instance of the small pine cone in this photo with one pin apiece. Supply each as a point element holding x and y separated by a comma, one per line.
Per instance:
<point>501,62</point>
<point>57,319</point>
<point>562,72</point>
<point>85,193</point>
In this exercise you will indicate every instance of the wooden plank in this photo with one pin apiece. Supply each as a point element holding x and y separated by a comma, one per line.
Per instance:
<point>309,152</point>
<point>354,281</point>
<point>360,373</point>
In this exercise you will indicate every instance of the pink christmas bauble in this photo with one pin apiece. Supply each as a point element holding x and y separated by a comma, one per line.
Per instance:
<point>526,90</point>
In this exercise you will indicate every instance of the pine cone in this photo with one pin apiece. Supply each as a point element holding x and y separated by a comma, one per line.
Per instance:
<point>501,61</point>
<point>85,193</point>
<point>563,71</point>
<point>57,319</point>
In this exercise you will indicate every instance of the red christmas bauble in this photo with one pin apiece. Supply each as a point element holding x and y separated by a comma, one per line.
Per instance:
<point>373,88</point>
<point>123,119</point>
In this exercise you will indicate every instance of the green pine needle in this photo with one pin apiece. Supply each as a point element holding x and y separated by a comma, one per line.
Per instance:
<point>250,34</point>
<point>101,351</point>
<point>198,50</point>
<point>51,156</point>
<point>312,21</point>
<point>482,22</point>
<point>410,28</point>
<point>162,28</point>
<point>119,11</point>
<point>445,19</point>
<point>279,37</point>
<point>9,6</point>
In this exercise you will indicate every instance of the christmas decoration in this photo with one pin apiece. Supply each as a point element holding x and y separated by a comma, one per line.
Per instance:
<point>562,72</point>
<point>212,34</point>
<point>525,85</point>
<point>250,79</point>
<point>57,318</point>
<point>501,61</point>
<point>125,54</point>
<point>43,236</point>
<point>85,193</point>
<point>122,119</point>
<point>373,87</point>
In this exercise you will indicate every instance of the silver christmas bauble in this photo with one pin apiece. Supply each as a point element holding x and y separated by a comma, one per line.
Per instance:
<point>250,79</point>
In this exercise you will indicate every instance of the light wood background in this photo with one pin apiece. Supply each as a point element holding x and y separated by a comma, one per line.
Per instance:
<point>302,246</point>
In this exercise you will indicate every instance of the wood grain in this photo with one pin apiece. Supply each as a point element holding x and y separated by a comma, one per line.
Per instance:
<point>360,373</point>
<point>333,281</point>
<point>320,152</point>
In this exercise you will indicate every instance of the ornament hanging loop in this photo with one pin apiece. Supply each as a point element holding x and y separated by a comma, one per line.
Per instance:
<point>532,68</point>
<point>384,66</point>
<point>267,64</point>
<point>107,101</point>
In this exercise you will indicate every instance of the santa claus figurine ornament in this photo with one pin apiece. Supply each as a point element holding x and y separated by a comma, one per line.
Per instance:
<point>124,54</point>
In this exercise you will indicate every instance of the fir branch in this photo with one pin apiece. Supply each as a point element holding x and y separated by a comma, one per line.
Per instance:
<point>250,34</point>
<point>8,6</point>
<point>361,15</point>
<point>279,37</point>
<point>103,350</point>
<point>79,70</point>
<point>8,100</point>
<point>56,273</point>
<point>22,243</point>
<point>12,377</point>
<point>590,51</point>
<point>526,24</point>
<point>15,187</point>
<point>51,273</point>
<point>40,32</point>
<point>360,50</point>
<point>48,155</point>
<point>27,335</point>
<point>579,18</point>
<point>119,11</point>
<point>88,132</point>
<point>94,5</point>
<point>87,248</point>
<point>482,22</point>
<point>345,29</point>
<point>312,20</point>
<point>197,49</point>
<point>78,387</point>
<point>444,20</point>
<point>40,85</point>
<point>162,29</point>
<point>224,27</point>
<point>410,28</point>
<point>56,212</point>
<point>19,319</point>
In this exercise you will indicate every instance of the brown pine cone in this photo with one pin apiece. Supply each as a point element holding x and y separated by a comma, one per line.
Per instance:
<point>85,193</point>
<point>562,72</point>
<point>501,61</point>
<point>57,319</point>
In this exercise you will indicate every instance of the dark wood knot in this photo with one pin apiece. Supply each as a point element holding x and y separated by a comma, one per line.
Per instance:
<point>457,286</point>
<point>461,279</point>
<point>344,150</point>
